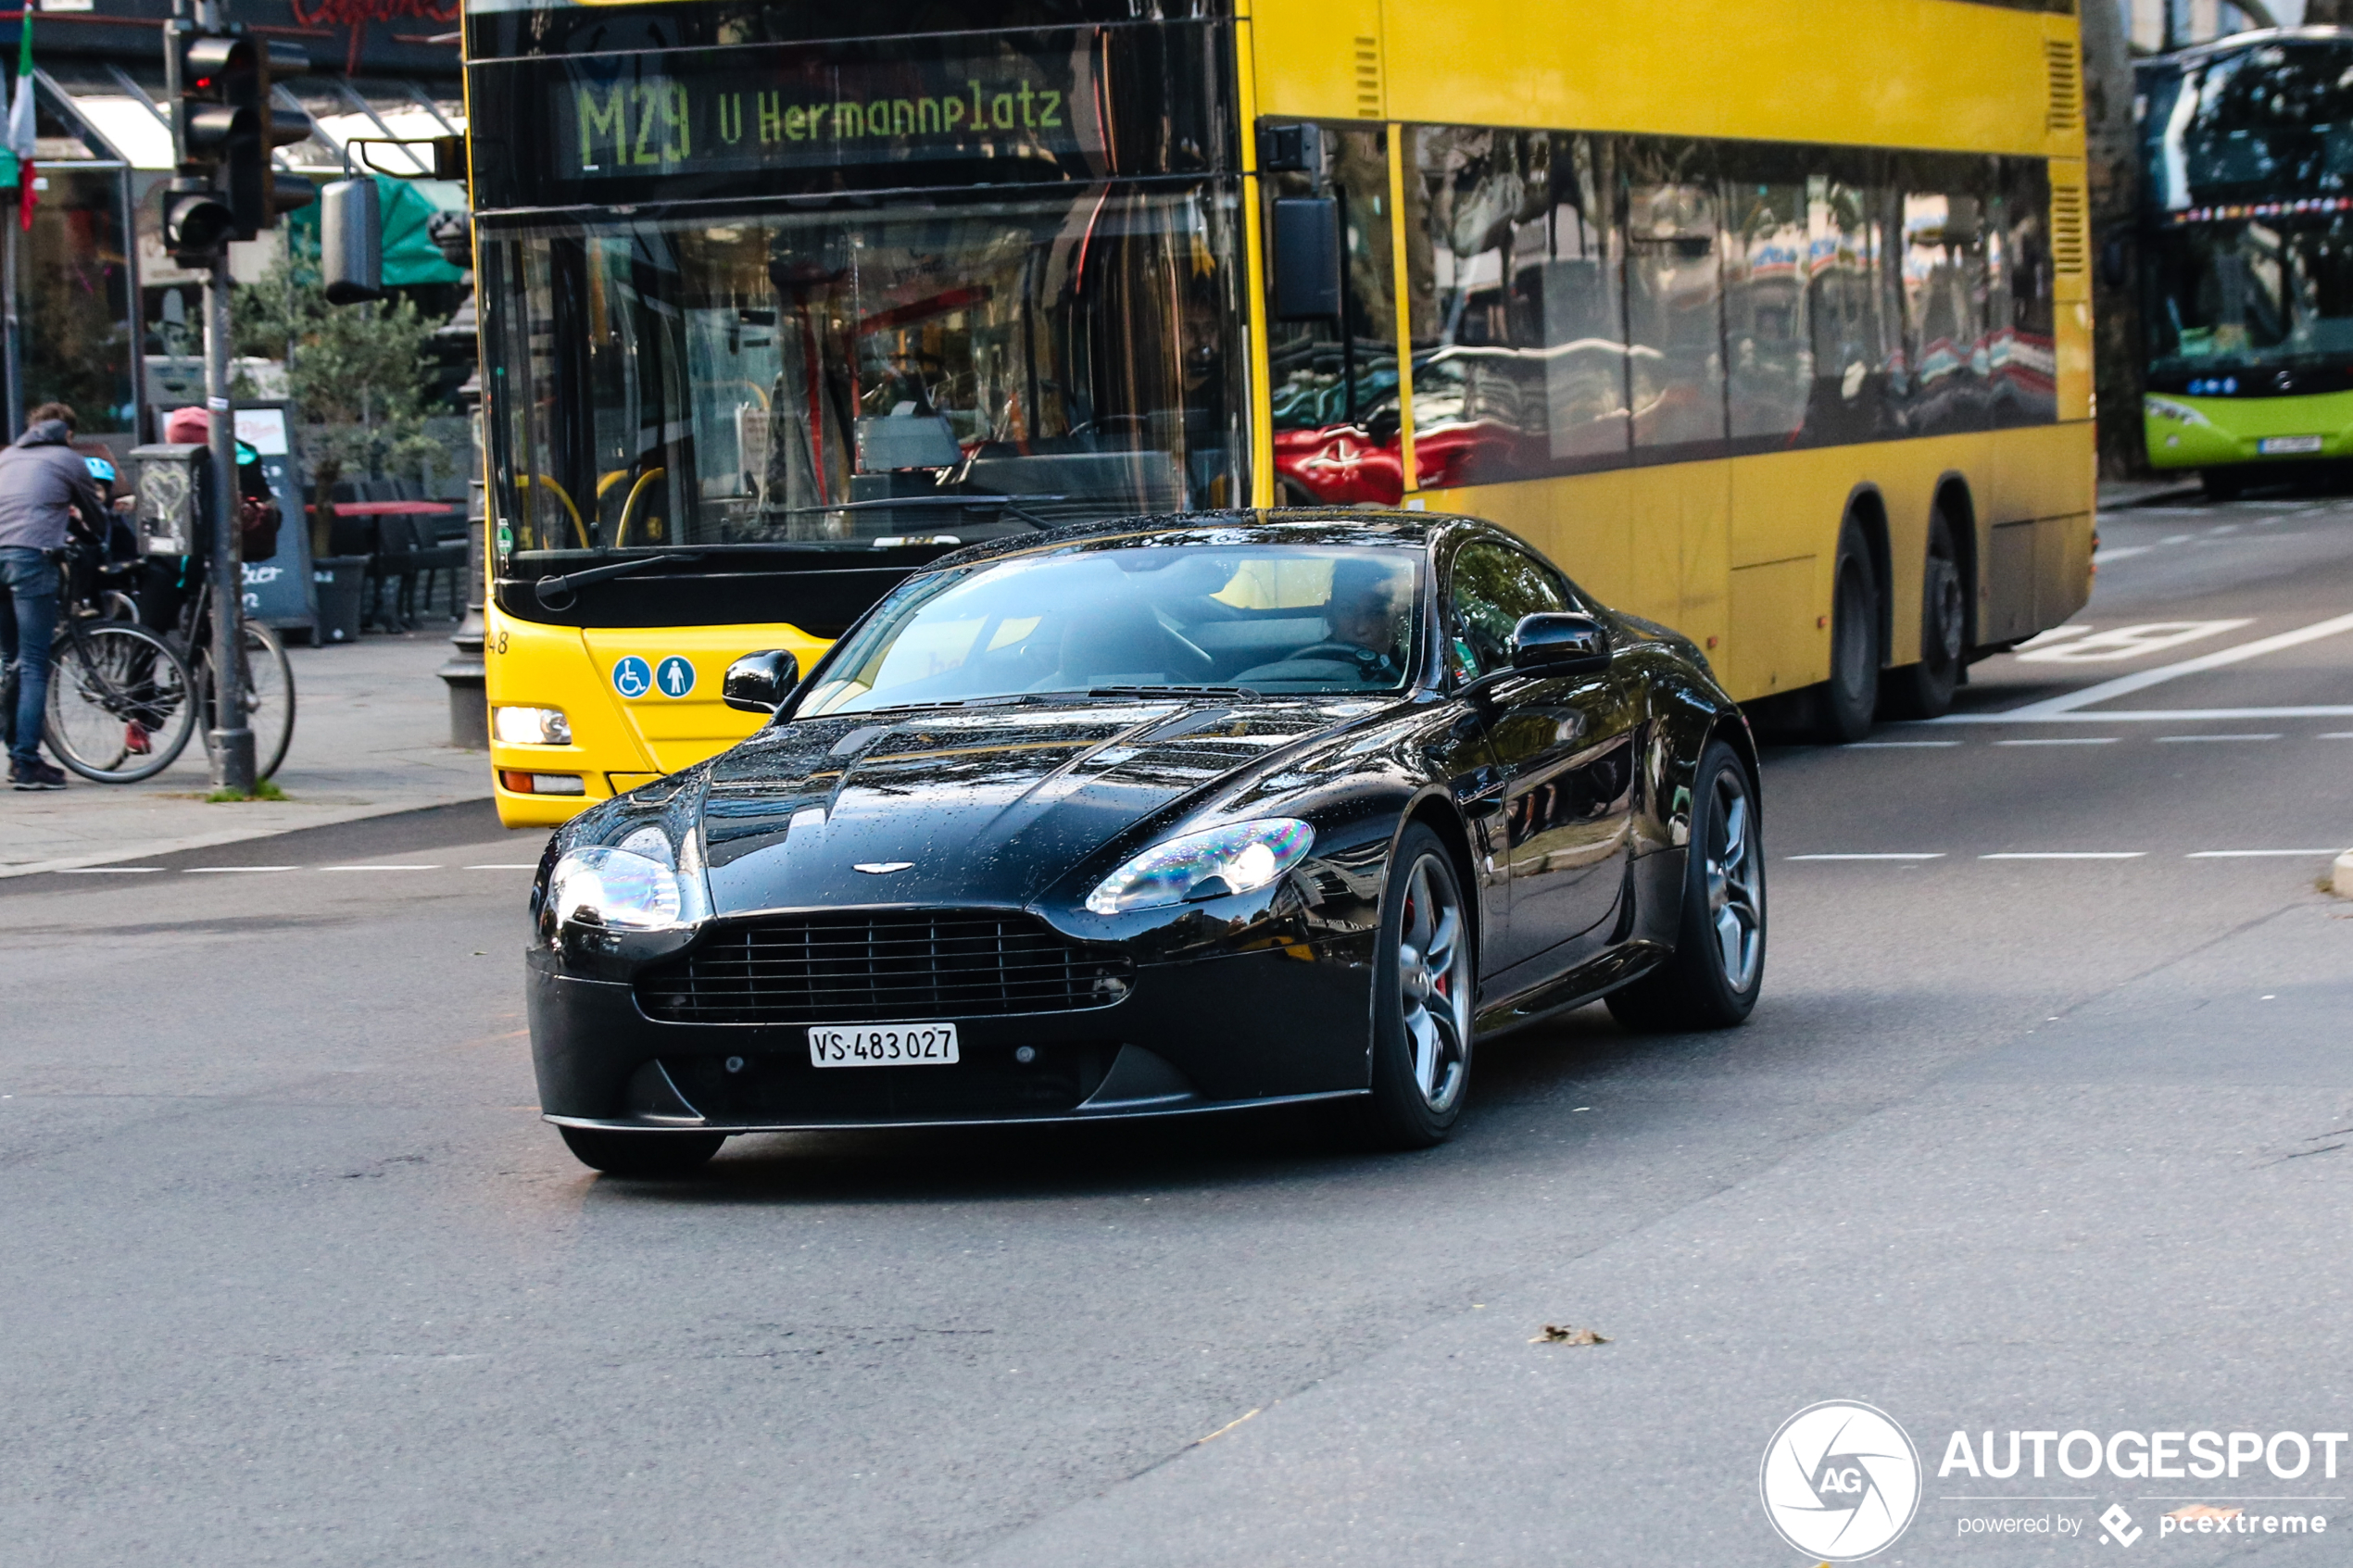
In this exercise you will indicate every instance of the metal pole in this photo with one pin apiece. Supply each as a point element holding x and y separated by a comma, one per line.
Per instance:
<point>9,323</point>
<point>231,737</point>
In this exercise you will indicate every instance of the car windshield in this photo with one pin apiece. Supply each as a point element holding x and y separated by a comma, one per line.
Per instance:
<point>1135,619</point>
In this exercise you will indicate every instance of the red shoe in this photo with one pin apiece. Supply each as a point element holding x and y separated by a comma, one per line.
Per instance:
<point>134,739</point>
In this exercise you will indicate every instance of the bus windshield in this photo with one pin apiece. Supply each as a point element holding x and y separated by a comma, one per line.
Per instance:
<point>847,377</point>
<point>2250,161</point>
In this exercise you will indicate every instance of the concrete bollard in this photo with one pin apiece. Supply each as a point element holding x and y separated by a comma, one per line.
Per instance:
<point>2342,879</point>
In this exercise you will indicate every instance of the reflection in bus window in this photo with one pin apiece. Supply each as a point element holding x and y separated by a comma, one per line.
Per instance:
<point>1519,359</point>
<point>1673,294</point>
<point>742,381</point>
<point>1333,384</point>
<point>1770,367</point>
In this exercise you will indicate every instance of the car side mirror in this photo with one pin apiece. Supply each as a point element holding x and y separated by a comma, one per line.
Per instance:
<point>1557,642</point>
<point>758,682</point>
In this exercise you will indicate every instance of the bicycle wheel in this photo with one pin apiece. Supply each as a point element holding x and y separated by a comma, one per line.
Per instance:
<point>122,703</point>
<point>269,696</point>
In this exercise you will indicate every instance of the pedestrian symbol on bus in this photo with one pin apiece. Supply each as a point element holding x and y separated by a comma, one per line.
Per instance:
<point>633,676</point>
<point>675,676</point>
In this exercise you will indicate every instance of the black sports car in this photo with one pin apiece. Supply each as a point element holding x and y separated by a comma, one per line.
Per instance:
<point>1154,816</point>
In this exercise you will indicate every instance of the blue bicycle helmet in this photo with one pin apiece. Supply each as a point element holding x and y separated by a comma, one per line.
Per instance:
<point>100,469</point>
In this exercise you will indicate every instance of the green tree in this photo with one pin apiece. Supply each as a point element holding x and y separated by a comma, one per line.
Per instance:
<point>358,374</point>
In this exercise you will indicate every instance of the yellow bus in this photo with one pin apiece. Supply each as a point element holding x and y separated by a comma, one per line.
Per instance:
<point>1767,321</point>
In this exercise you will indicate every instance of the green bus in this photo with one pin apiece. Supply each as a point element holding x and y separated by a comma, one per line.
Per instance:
<point>2247,147</point>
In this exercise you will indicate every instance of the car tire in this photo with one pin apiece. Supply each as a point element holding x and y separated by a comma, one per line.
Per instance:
<point>1849,700</point>
<point>1422,1009</point>
<point>1717,969</point>
<point>650,1156</point>
<point>1925,690</point>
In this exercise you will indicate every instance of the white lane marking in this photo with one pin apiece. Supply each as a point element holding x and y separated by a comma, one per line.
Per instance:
<point>378,868</point>
<point>1905,854</point>
<point>200,870</point>
<point>2146,716</point>
<point>517,867</point>
<point>2068,740</point>
<point>2177,538</point>
<point>2056,634</point>
<point>2184,740</point>
<point>1895,745</point>
<point>2103,556</point>
<point>108,871</point>
<point>2141,679</point>
<point>2336,734</point>
<point>2259,854</point>
<point>2131,642</point>
<point>2066,854</point>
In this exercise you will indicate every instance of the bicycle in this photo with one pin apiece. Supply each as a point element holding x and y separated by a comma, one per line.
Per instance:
<point>121,700</point>
<point>269,682</point>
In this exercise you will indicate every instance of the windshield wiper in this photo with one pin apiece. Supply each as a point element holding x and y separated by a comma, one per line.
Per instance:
<point>564,583</point>
<point>1249,694</point>
<point>970,503</point>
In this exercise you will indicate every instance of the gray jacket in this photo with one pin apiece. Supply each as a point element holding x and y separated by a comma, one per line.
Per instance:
<point>42,480</point>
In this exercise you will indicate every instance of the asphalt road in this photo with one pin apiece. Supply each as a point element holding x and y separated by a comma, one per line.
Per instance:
<point>2017,1140</point>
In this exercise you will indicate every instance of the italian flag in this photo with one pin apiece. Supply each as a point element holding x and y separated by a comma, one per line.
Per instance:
<point>16,158</point>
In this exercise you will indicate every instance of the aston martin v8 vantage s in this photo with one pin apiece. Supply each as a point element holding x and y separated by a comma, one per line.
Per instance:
<point>1155,816</point>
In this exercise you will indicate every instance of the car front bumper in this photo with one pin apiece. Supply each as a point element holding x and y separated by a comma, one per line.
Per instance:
<point>1269,1026</point>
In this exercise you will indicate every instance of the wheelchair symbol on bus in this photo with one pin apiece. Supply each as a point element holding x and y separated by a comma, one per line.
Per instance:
<point>633,677</point>
<point>675,676</point>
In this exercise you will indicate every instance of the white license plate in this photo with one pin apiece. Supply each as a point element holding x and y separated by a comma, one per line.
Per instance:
<point>882,1045</point>
<point>2282,444</point>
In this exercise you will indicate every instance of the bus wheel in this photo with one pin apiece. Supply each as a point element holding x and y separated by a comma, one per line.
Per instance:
<point>1846,703</point>
<point>1925,690</point>
<point>2222,485</point>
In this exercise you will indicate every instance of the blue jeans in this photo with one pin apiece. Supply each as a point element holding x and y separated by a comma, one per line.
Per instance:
<point>27,625</point>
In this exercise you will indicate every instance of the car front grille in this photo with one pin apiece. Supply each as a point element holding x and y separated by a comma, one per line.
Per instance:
<point>888,968</point>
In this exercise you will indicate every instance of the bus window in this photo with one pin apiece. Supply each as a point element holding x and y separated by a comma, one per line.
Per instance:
<point>1947,282</point>
<point>1338,428</point>
<point>1519,356</point>
<point>1768,350</point>
<point>1674,293</point>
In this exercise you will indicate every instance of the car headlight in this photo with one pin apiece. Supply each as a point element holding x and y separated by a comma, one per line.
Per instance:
<point>1242,857</point>
<point>2167,408</point>
<point>634,886</point>
<point>531,726</point>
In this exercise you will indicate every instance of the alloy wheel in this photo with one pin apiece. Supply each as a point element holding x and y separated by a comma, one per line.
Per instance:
<point>1434,983</point>
<point>1735,898</point>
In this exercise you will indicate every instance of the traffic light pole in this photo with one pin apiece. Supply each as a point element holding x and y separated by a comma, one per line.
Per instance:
<point>231,740</point>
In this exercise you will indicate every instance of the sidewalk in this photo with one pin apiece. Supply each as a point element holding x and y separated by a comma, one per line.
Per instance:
<point>371,737</point>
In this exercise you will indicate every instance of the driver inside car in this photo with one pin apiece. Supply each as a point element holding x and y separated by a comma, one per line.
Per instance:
<point>1367,619</point>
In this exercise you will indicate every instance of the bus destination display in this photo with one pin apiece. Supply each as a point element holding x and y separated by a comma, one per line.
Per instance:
<point>716,111</point>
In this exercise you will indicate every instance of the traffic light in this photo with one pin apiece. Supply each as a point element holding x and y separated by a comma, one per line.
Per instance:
<point>227,127</point>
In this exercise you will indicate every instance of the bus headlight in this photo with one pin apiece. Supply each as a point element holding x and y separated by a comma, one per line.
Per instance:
<point>531,726</point>
<point>1242,857</point>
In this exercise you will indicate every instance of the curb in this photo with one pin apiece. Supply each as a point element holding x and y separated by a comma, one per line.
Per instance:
<point>2341,877</point>
<point>328,816</point>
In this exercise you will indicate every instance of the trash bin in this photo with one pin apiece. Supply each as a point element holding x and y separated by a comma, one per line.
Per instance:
<point>341,582</point>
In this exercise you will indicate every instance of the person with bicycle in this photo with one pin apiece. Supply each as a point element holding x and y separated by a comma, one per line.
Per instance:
<point>171,584</point>
<point>45,491</point>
